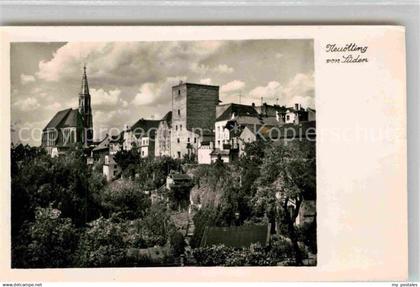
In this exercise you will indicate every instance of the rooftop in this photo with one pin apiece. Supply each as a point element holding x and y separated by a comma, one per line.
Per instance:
<point>237,110</point>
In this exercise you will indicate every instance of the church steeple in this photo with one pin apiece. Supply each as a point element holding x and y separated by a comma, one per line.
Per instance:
<point>85,109</point>
<point>85,87</point>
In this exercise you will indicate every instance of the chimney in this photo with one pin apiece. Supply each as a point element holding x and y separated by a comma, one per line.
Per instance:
<point>296,107</point>
<point>253,105</point>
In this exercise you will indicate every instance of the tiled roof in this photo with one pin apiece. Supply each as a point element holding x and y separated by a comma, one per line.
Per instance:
<point>296,130</point>
<point>263,130</point>
<point>168,118</point>
<point>104,144</point>
<point>73,119</point>
<point>272,121</point>
<point>143,126</point>
<point>239,111</point>
<point>57,119</point>
<point>236,236</point>
<point>180,176</point>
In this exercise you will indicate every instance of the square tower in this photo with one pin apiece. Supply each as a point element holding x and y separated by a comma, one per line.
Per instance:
<point>193,114</point>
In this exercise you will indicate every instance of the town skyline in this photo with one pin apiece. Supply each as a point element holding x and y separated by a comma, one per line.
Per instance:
<point>50,81</point>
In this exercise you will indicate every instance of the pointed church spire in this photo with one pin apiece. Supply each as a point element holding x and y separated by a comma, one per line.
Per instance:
<point>85,109</point>
<point>85,87</point>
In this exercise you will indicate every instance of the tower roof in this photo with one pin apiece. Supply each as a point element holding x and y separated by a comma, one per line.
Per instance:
<point>85,87</point>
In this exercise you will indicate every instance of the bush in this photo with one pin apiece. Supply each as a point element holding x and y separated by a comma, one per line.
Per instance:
<point>125,199</point>
<point>220,255</point>
<point>307,235</point>
<point>215,255</point>
<point>177,243</point>
<point>52,241</point>
<point>103,244</point>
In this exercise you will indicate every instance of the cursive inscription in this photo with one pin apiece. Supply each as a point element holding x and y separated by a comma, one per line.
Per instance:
<point>346,54</point>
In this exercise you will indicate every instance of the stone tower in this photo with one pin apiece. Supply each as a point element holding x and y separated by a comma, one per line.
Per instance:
<point>85,109</point>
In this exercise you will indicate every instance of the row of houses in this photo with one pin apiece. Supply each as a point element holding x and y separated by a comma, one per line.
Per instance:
<point>199,126</point>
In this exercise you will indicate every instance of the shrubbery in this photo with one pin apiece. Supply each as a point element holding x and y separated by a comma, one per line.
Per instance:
<point>255,255</point>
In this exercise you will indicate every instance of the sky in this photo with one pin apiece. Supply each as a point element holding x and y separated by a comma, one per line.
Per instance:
<point>133,80</point>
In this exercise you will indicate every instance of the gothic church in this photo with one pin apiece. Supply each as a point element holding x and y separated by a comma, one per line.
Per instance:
<point>70,127</point>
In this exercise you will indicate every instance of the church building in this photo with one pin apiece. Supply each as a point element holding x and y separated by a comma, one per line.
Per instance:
<point>70,127</point>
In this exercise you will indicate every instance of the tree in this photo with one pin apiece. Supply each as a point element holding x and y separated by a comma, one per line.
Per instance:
<point>103,244</point>
<point>177,243</point>
<point>204,217</point>
<point>127,159</point>
<point>52,240</point>
<point>152,173</point>
<point>125,199</point>
<point>288,176</point>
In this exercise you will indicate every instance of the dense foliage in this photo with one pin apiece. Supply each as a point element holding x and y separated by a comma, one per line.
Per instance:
<point>64,214</point>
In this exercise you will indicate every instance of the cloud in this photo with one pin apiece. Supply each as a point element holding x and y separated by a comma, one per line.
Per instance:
<point>67,60</point>
<point>25,79</point>
<point>270,91</point>
<point>128,63</point>
<point>54,106</point>
<point>100,97</point>
<point>232,86</point>
<point>225,69</point>
<point>300,89</point>
<point>205,81</point>
<point>156,93</point>
<point>146,95</point>
<point>27,104</point>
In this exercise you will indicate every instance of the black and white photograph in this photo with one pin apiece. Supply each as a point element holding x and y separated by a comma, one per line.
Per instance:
<point>163,154</point>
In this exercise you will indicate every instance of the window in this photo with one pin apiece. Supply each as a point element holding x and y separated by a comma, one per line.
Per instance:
<point>180,127</point>
<point>176,127</point>
<point>177,140</point>
<point>179,92</point>
<point>195,140</point>
<point>218,143</point>
<point>179,154</point>
<point>179,112</point>
<point>287,117</point>
<point>188,139</point>
<point>142,152</point>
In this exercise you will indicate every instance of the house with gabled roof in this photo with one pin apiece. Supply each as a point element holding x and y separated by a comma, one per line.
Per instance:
<point>232,116</point>
<point>141,135</point>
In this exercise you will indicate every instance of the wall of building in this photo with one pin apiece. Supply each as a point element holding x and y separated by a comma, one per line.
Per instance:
<point>290,117</point>
<point>110,169</point>
<point>128,140</point>
<point>179,121</point>
<point>247,136</point>
<point>311,115</point>
<point>201,106</point>
<point>203,154</point>
<point>163,140</point>
<point>222,135</point>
